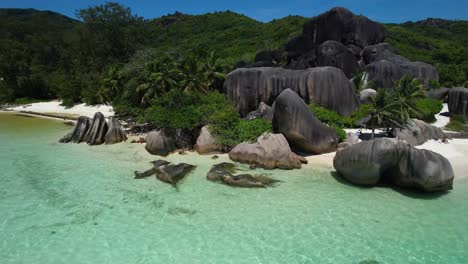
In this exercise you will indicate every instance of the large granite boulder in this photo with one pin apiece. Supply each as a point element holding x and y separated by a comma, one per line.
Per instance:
<point>417,132</point>
<point>394,161</point>
<point>338,24</point>
<point>334,53</point>
<point>326,86</point>
<point>304,132</point>
<point>206,144</point>
<point>385,66</point>
<point>439,94</point>
<point>458,101</point>
<point>78,134</point>
<point>270,151</point>
<point>97,131</point>
<point>115,133</point>
<point>159,143</point>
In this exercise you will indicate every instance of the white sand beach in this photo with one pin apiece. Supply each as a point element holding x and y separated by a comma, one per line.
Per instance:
<point>54,108</point>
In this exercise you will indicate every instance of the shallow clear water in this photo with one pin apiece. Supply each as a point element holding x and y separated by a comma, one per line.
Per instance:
<point>68,203</point>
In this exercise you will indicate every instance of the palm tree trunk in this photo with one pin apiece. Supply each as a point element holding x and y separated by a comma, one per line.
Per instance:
<point>373,132</point>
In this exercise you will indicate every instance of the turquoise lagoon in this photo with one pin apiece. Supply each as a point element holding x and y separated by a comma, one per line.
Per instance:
<point>79,204</point>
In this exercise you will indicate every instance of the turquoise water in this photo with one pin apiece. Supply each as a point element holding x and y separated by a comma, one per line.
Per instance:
<point>79,204</point>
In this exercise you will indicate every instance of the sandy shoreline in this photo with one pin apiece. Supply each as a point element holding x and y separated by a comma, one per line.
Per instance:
<point>455,151</point>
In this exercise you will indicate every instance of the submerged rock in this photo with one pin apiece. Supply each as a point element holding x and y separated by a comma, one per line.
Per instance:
<point>158,143</point>
<point>97,130</point>
<point>206,144</point>
<point>173,173</point>
<point>304,132</point>
<point>458,102</point>
<point>371,162</point>
<point>166,172</point>
<point>115,133</point>
<point>79,132</point>
<point>224,173</point>
<point>326,86</point>
<point>417,132</point>
<point>270,151</point>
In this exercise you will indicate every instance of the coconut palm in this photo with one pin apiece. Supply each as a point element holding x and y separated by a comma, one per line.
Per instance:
<point>383,113</point>
<point>160,77</point>
<point>407,91</point>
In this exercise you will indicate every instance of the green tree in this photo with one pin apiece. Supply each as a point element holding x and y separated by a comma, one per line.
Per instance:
<point>404,98</point>
<point>382,113</point>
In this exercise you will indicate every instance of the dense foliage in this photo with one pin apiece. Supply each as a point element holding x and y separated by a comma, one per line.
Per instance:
<point>98,58</point>
<point>428,108</point>
<point>457,123</point>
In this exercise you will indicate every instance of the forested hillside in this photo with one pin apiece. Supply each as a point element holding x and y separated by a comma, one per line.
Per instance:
<point>102,57</point>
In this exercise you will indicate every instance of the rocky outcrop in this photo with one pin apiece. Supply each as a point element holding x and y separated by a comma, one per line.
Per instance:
<point>385,66</point>
<point>97,130</point>
<point>393,161</point>
<point>262,111</point>
<point>270,151</point>
<point>366,95</point>
<point>166,172</point>
<point>115,133</point>
<point>326,86</point>
<point>206,144</point>
<point>458,102</point>
<point>338,24</point>
<point>159,143</point>
<point>79,132</point>
<point>304,132</point>
<point>334,53</point>
<point>224,173</point>
<point>417,132</point>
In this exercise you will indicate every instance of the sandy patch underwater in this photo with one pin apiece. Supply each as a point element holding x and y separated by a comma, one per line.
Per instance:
<point>79,204</point>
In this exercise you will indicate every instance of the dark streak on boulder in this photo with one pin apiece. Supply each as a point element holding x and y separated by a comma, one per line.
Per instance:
<point>115,133</point>
<point>79,132</point>
<point>97,131</point>
<point>458,102</point>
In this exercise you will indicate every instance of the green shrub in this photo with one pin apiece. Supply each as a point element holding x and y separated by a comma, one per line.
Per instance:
<point>339,131</point>
<point>457,123</point>
<point>331,117</point>
<point>428,108</point>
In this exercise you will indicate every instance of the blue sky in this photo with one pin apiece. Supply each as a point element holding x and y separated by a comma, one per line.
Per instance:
<point>266,10</point>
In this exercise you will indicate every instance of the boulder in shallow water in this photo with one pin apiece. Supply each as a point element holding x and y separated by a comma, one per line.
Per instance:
<point>97,130</point>
<point>115,133</point>
<point>417,132</point>
<point>152,171</point>
<point>224,173</point>
<point>458,102</point>
<point>173,173</point>
<point>206,144</point>
<point>158,143</point>
<point>303,131</point>
<point>79,132</point>
<point>394,161</point>
<point>325,86</point>
<point>270,151</point>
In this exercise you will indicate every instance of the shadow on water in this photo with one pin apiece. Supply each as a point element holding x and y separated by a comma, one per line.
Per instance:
<point>415,194</point>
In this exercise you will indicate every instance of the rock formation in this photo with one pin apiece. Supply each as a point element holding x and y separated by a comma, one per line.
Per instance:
<point>388,160</point>
<point>270,151</point>
<point>166,172</point>
<point>304,132</point>
<point>261,112</point>
<point>224,173</point>
<point>439,94</point>
<point>97,130</point>
<point>79,132</point>
<point>158,143</point>
<point>458,102</point>
<point>338,24</point>
<point>333,53</point>
<point>326,86</point>
<point>417,132</point>
<point>385,66</point>
<point>206,144</point>
<point>115,133</point>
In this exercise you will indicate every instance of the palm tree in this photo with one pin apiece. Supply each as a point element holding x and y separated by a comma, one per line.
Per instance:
<point>382,114</point>
<point>404,97</point>
<point>160,78</point>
